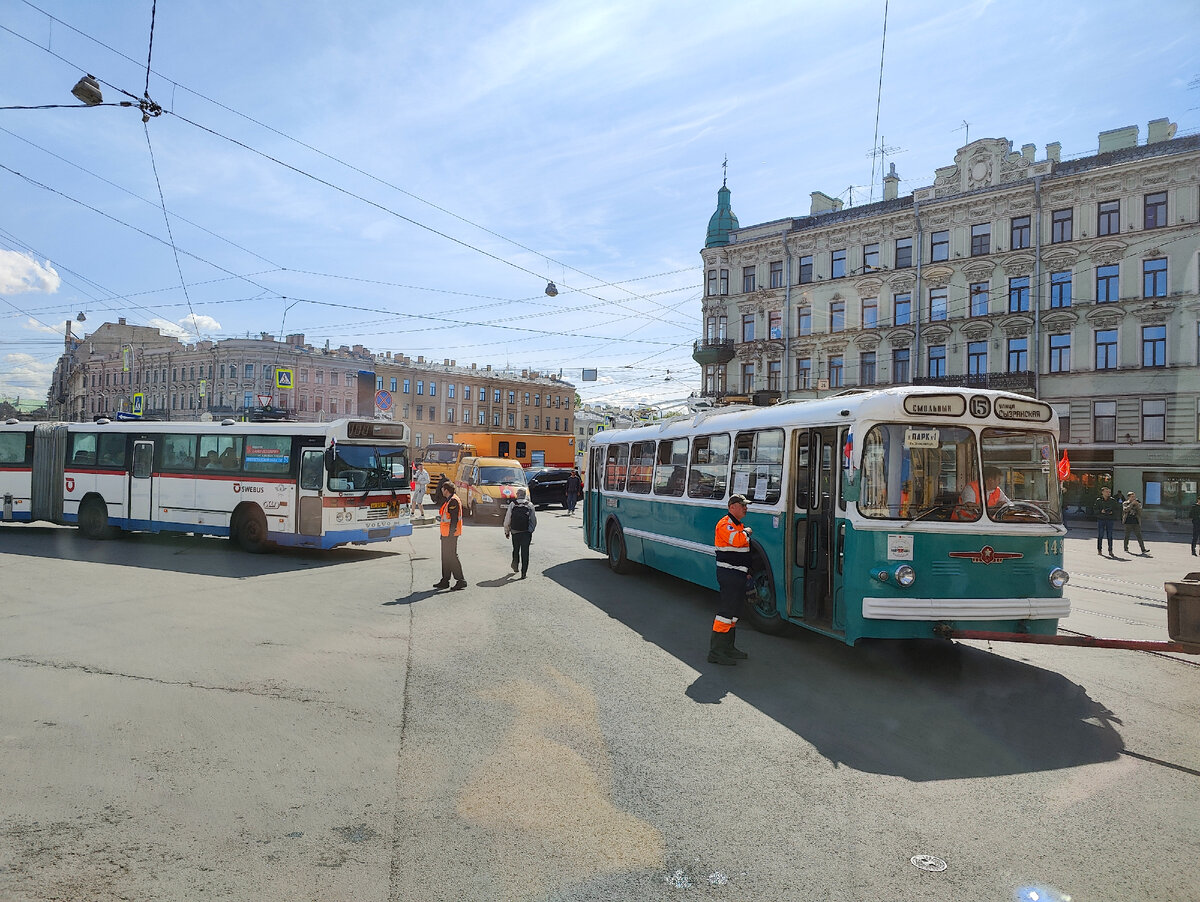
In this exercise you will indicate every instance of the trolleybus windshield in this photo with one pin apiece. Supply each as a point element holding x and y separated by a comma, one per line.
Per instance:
<point>357,468</point>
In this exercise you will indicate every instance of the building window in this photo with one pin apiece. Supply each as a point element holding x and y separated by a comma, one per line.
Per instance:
<point>466,392</point>
<point>1109,213</point>
<point>747,278</point>
<point>977,358</point>
<point>420,412</point>
<point>1104,421</point>
<point>803,373</point>
<point>467,417</point>
<point>333,380</point>
<point>450,415</point>
<point>1018,295</point>
<point>837,316</point>
<point>937,304</point>
<point>512,397</point>
<point>406,385</point>
<point>747,378</point>
<point>512,421</point>
<point>837,264</point>
<point>1156,210</point>
<point>450,390</point>
<point>870,257</point>
<point>804,321</point>
<point>748,327</point>
<point>537,400</point>
<point>1020,233</point>
<point>320,374</point>
<point>903,253</point>
<point>775,324</point>
<point>1061,225</point>
<point>1018,355</point>
<point>495,418</point>
<point>1064,422</point>
<point>1154,345</point>
<point>773,371</point>
<point>866,366</point>
<point>1060,353</point>
<point>724,281</point>
<point>249,370</point>
<point>1154,278</point>
<point>526,399</point>
<point>496,397</point>
<point>870,313</point>
<point>712,283</point>
<point>980,294</point>
<point>900,358</point>
<point>393,384</point>
<point>1108,289</point>
<point>937,361</point>
<point>981,239</point>
<point>433,414</point>
<point>776,273</point>
<point>420,387</point>
<point>432,388</point>
<point>1154,420</point>
<point>901,309</point>
<point>1060,289</point>
<point>1106,349</point>
<point>836,366</point>
<point>482,418</point>
<point>806,269</point>
<point>939,246</point>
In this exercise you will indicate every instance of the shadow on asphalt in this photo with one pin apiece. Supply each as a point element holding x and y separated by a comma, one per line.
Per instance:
<point>922,710</point>
<point>202,555</point>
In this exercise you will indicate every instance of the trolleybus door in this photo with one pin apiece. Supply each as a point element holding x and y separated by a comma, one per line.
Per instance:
<point>312,480</point>
<point>814,526</point>
<point>592,512</point>
<point>141,482</point>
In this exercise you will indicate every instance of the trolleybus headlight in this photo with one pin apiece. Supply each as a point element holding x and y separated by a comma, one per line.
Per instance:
<point>905,576</point>
<point>1059,577</point>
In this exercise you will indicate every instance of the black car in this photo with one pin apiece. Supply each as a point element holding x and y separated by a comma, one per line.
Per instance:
<point>548,486</point>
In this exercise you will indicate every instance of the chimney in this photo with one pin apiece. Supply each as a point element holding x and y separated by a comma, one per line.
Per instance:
<point>1160,130</point>
<point>472,366</point>
<point>1054,152</point>
<point>445,361</point>
<point>420,359</point>
<point>121,321</point>
<point>1118,138</point>
<point>823,203</point>
<point>488,367</point>
<point>891,184</point>
<point>1028,151</point>
<point>454,363</point>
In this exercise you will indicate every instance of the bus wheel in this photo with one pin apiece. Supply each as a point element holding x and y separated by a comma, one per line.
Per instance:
<point>251,531</point>
<point>93,519</point>
<point>761,608</point>
<point>617,561</point>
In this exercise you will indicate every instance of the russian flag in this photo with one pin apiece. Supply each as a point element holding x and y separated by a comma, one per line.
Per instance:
<point>847,449</point>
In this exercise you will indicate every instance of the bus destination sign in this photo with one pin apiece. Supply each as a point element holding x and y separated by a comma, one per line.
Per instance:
<point>1022,409</point>
<point>935,405</point>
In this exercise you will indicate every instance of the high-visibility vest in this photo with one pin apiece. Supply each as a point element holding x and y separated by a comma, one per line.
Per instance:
<point>994,497</point>
<point>444,513</point>
<point>733,545</point>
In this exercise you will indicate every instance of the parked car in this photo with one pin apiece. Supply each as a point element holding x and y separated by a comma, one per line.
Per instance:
<point>548,486</point>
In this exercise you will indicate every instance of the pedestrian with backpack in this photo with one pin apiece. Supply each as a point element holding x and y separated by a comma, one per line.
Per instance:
<point>520,520</point>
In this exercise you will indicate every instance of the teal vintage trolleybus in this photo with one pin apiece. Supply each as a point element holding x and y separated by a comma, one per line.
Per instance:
<point>900,513</point>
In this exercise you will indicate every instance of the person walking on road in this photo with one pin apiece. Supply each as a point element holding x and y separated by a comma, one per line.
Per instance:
<point>520,520</point>
<point>1107,508</point>
<point>420,487</point>
<point>732,541</point>
<point>450,518</point>
<point>1195,512</point>
<point>1131,516</point>
<point>574,488</point>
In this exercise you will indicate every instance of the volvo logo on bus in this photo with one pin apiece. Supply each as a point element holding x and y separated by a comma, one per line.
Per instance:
<point>987,555</point>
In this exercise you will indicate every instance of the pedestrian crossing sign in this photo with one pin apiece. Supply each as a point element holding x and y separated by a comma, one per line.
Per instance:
<point>283,378</point>
<point>139,404</point>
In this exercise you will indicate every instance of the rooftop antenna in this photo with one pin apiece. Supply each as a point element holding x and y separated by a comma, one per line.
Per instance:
<point>965,127</point>
<point>881,150</point>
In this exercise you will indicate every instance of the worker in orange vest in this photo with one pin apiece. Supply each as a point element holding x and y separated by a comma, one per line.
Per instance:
<point>992,491</point>
<point>450,520</point>
<point>733,573</point>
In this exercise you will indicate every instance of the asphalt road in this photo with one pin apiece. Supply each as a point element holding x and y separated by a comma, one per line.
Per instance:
<point>183,721</point>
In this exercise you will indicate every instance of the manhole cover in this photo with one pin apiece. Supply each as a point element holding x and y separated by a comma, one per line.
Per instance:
<point>928,863</point>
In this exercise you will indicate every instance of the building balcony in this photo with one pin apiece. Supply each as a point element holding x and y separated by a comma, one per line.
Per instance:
<point>713,351</point>
<point>1022,382</point>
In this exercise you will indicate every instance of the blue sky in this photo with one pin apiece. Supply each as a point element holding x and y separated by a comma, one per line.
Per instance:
<point>408,176</point>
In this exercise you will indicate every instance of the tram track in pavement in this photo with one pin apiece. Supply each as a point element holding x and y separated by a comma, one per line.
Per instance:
<point>1140,599</point>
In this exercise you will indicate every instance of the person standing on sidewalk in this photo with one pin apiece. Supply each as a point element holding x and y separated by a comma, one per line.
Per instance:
<point>450,518</point>
<point>520,520</point>
<point>1107,508</point>
<point>1195,512</point>
<point>1131,516</point>
<point>733,572</point>
<point>574,488</point>
<point>420,487</point>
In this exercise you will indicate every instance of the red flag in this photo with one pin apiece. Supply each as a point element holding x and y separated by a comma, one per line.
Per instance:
<point>1064,466</point>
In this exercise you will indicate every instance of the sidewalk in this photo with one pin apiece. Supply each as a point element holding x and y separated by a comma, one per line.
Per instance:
<point>1159,524</point>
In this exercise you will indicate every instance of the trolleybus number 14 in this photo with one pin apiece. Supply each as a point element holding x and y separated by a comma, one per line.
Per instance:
<point>1053,546</point>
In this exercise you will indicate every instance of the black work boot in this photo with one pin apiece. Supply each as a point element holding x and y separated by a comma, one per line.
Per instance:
<point>736,653</point>
<point>718,649</point>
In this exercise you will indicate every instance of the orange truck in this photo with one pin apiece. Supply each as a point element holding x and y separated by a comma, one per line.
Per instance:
<point>530,450</point>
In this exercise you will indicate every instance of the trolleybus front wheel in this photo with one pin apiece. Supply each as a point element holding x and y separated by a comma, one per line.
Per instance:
<point>617,561</point>
<point>761,608</point>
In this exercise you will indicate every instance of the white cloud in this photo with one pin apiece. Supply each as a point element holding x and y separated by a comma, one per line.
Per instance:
<point>187,327</point>
<point>25,376</point>
<point>35,326</point>
<point>20,273</point>
<point>194,321</point>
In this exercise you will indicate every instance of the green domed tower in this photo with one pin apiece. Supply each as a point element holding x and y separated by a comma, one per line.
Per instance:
<point>723,220</point>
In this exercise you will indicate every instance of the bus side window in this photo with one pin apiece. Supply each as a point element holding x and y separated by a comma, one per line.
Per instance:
<point>112,450</point>
<point>710,467</point>
<point>670,474</point>
<point>803,476</point>
<point>179,451</point>
<point>83,449</point>
<point>615,468</point>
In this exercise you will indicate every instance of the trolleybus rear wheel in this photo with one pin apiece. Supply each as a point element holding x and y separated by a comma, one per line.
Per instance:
<point>617,561</point>
<point>761,608</point>
<point>93,519</point>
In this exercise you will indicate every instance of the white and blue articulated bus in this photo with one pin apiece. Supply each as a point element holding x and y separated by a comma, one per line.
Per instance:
<point>906,512</point>
<point>312,485</point>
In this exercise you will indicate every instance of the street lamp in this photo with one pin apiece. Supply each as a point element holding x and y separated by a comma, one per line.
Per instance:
<point>87,91</point>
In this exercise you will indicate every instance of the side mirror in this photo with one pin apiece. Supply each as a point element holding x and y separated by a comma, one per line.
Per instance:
<point>851,486</point>
<point>328,458</point>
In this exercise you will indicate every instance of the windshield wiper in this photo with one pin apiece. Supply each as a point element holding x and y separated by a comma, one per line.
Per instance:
<point>923,515</point>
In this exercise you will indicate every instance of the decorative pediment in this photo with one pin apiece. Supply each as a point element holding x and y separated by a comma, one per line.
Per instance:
<point>1105,316</point>
<point>868,287</point>
<point>1021,265</point>
<point>1060,260</point>
<point>901,284</point>
<point>834,348</point>
<point>866,341</point>
<point>1155,314</point>
<point>1108,252</point>
<point>751,305</point>
<point>979,270</point>
<point>901,338</point>
<point>938,276</point>
<point>1060,322</point>
<point>936,334</point>
<point>977,332</point>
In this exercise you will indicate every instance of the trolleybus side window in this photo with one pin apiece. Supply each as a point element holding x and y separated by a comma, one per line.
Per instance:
<point>179,451</point>
<point>641,467</point>
<point>710,467</point>
<point>269,454</point>
<point>802,471</point>
<point>758,465</point>
<point>12,447</point>
<point>1029,475</point>
<point>83,449</point>
<point>111,453</point>
<point>918,472</point>
<point>220,452</point>
<point>615,467</point>
<point>670,475</point>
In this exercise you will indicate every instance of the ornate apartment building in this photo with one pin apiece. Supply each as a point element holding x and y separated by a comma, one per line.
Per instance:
<point>1075,281</point>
